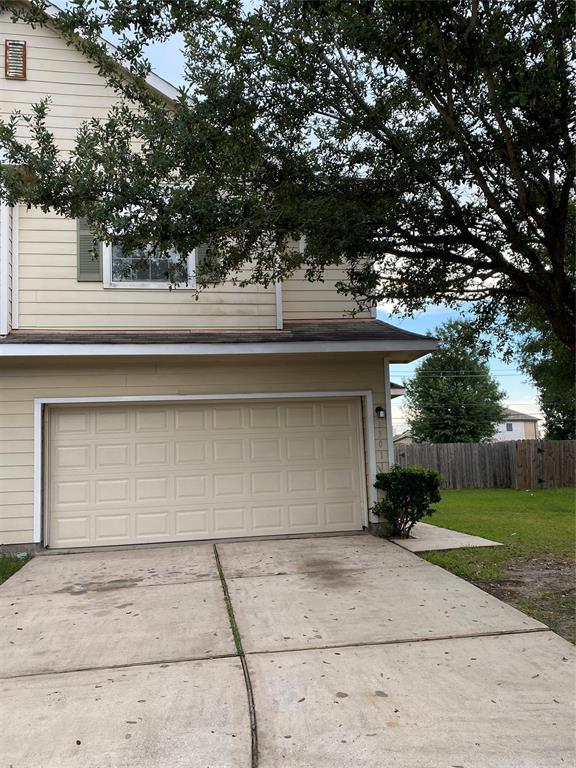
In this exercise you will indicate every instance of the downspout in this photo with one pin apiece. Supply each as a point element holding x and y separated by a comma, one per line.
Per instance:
<point>278,292</point>
<point>4,269</point>
<point>15,267</point>
<point>388,407</point>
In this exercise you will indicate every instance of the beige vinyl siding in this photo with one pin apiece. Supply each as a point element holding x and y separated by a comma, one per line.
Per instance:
<point>77,92</point>
<point>23,380</point>
<point>303,300</point>
<point>51,296</point>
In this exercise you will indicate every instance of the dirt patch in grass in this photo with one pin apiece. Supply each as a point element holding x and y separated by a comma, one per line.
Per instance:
<point>543,588</point>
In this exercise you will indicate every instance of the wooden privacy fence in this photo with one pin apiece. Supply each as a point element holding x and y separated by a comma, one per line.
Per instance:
<point>522,464</point>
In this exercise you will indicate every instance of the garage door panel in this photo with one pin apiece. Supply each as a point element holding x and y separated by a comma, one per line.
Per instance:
<point>111,421</point>
<point>301,415</point>
<point>116,455</point>
<point>112,529</point>
<point>228,451</point>
<point>153,525</point>
<point>340,513</point>
<point>147,454</point>
<point>265,449</point>
<point>268,520</point>
<point>191,487</point>
<point>152,419</point>
<point>192,524</point>
<point>302,516</point>
<point>72,457</point>
<point>336,415</point>
<point>179,472</point>
<point>195,418</point>
<point>191,453</point>
<point>76,493</point>
<point>74,422</point>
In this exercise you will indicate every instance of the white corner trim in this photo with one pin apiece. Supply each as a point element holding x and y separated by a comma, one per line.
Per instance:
<point>38,469</point>
<point>388,406</point>
<point>4,269</point>
<point>107,281</point>
<point>368,403</point>
<point>15,267</point>
<point>235,348</point>
<point>41,402</point>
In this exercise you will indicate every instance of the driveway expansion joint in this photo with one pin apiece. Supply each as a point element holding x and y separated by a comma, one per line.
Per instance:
<point>403,641</point>
<point>242,656</point>
<point>154,663</point>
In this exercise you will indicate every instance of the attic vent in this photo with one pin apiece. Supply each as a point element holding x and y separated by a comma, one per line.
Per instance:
<point>15,59</point>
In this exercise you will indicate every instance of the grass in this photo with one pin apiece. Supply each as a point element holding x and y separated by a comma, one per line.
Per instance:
<point>9,564</point>
<point>535,569</point>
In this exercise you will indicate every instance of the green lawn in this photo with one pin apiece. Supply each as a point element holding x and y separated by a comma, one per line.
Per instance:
<point>9,565</point>
<point>535,570</point>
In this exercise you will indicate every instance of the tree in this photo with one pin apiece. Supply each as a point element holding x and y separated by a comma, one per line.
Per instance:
<point>452,398</point>
<point>552,368</point>
<point>427,144</point>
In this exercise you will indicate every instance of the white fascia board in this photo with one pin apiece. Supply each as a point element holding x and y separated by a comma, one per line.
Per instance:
<point>263,348</point>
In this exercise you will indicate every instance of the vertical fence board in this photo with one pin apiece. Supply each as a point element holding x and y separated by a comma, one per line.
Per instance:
<point>522,464</point>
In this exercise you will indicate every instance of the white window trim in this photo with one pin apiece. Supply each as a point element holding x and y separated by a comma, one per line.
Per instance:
<point>107,281</point>
<point>369,453</point>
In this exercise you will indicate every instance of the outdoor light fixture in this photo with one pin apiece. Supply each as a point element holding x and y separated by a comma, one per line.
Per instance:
<point>380,412</point>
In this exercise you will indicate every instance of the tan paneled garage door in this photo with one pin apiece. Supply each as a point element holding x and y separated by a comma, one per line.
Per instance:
<point>139,473</point>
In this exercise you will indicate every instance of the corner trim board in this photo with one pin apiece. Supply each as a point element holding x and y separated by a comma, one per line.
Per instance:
<point>388,404</point>
<point>41,402</point>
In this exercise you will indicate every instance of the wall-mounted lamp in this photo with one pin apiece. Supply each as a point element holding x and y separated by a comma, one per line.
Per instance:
<point>380,412</point>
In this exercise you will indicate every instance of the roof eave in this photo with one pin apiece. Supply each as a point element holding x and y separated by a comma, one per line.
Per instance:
<point>408,349</point>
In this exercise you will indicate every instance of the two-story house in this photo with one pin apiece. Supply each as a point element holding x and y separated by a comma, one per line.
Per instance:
<point>131,413</point>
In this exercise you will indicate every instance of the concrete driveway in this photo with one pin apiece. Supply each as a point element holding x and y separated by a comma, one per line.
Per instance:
<point>354,652</point>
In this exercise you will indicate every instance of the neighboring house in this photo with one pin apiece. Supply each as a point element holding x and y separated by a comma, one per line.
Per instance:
<point>130,413</point>
<point>516,426</point>
<point>403,438</point>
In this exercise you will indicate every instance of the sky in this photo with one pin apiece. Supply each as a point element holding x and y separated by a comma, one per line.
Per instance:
<point>166,60</point>
<point>520,394</point>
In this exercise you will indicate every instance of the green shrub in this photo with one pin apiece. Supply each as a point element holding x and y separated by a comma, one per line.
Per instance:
<point>408,494</point>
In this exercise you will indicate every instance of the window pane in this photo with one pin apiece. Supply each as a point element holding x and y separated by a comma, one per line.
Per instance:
<point>145,267</point>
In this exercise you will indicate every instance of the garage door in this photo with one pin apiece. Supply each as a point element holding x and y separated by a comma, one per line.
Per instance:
<point>137,473</point>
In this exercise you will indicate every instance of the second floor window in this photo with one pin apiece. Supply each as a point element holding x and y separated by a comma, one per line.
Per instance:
<point>146,267</point>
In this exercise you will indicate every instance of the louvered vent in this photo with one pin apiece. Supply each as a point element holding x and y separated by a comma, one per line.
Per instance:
<point>15,59</point>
